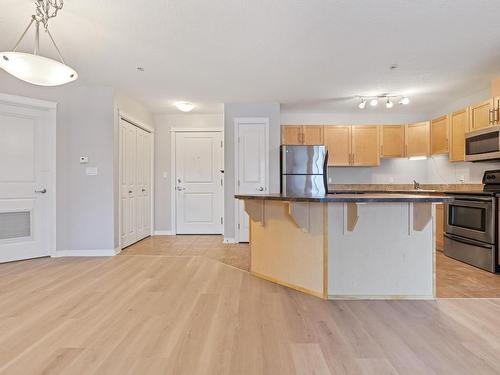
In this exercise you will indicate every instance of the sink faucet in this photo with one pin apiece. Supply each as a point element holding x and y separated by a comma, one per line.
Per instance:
<point>416,185</point>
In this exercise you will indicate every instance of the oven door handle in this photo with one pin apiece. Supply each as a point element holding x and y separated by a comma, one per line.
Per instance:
<point>466,199</point>
<point>468,241</point>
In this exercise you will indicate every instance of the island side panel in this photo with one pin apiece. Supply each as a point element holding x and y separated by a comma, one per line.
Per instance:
<point>284,253</point>
<point>383,256</point>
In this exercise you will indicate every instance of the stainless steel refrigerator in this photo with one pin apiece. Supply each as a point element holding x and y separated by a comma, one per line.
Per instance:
<point>304,170</point>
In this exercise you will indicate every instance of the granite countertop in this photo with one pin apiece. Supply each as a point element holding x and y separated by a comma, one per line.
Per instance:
<point>380,197</point>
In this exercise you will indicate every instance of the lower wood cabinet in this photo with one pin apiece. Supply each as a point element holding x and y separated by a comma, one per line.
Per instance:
<point>439,135</point>
<point>459,126</point>
<point>440,227</point>
<point>392,141</point>
<point>418,139</point>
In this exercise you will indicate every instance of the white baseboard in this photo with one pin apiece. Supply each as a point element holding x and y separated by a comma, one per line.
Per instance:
<point>162,233</point>
<point>87,253</point>
<point>229,240</point>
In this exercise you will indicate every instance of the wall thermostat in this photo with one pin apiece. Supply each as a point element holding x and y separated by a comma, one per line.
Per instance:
<point>84,159</point>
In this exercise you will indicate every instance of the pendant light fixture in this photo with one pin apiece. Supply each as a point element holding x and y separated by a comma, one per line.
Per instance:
<point>31,67</point>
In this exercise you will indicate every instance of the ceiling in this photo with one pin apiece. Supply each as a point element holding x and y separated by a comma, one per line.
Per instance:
<point>311,56</point>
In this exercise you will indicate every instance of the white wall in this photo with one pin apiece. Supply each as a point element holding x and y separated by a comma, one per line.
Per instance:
<point>163,124</point>
<point>232,111</point>
<point>84,127</point>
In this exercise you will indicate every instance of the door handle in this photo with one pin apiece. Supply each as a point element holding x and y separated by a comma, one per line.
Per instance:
<point>143,190</point>
<point>179,188</point>
<point>43,191</point>
<point>260,188</point>
<point>130,191</point>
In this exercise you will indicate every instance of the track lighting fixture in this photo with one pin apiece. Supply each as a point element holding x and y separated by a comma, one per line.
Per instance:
<point>389,100</point>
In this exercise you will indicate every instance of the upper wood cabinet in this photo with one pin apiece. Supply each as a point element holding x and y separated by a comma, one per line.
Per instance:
<point>439,135</point>
<point>291,134</point>
<point>337,139</point>
<point>482,115</point>
<point>392,141</point>
<point>365,145</point>
<point>356,145</point>
<point>302,134</point>
<point>418,139</point>
<point>312,134</point>
<point>459,125</point>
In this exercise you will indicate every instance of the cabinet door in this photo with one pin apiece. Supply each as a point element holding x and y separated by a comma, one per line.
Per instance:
<point>481,115</point>
<point>459,125</point>
<point>365,145</point>
<point>338,143</point>
<point>291,134</point>
<point>312,134</point>
<point>440,227</point>
<point>392,139</point>
<point>439,135</point>
<point>418,139</point>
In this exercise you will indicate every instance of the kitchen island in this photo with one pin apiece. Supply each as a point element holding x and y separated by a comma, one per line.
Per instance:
<point>345,245</point>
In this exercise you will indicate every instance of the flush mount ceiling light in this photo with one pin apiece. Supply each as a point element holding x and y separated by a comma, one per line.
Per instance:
<point>389,100</point>
<point>184,106</point>
<point>31,67</point>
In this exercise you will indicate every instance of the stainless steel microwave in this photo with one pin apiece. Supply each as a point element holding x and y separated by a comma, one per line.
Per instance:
<point>483,144</point>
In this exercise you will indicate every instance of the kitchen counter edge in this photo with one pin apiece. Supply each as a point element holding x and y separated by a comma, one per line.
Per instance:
<point>361,198</point>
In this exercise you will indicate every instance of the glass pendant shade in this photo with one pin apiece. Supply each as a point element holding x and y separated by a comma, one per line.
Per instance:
<point>36,69</point>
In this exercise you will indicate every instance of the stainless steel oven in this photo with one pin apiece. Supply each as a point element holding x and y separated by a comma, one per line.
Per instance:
<point>470,230</point>
<point>472,217</point>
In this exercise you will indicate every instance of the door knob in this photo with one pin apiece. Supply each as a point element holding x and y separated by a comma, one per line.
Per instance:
<point>179,188</point>
<point>260,189</point>
<point>143,190</point>
<point>130,191</point>
<point>43,191</point>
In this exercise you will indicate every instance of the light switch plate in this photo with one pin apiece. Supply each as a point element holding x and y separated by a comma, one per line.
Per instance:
<point>84,159</point>
<point>91,171</point>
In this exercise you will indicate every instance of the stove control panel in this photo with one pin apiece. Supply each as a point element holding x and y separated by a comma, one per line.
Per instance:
<point>491,177</point>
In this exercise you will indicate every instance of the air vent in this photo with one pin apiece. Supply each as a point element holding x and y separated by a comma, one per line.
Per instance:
<point>15,225</point>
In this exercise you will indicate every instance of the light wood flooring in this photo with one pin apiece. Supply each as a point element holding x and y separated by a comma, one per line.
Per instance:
<point>459,280</point>
<point>184,314</point>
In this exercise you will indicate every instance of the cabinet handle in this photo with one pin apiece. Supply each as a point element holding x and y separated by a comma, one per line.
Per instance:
<point>490,116</point>
<point>299,137</point>
<point>353,158</point>
<point>496,115</point>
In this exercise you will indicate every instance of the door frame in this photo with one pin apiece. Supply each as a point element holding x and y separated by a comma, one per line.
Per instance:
<point>173,171</point>
<point>122,115</point>
<point>237,122</point>
<point>51,119</point>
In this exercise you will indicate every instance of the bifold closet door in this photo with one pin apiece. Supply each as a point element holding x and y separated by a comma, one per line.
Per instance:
<point>135,156</point>
<point>143,182</point>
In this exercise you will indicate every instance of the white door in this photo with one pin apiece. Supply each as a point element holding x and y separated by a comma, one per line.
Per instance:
<point>26,175</point>
<point>135,184</point>
<point>198,182</point>
<point>252,166</point>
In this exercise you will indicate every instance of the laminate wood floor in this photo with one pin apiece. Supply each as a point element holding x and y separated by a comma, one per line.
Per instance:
<point>183,314</point>
<point>459,280</point>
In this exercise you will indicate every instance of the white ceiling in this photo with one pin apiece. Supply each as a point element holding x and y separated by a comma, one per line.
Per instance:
<point>310,55</point>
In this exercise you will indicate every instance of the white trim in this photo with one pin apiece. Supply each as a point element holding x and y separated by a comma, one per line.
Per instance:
<point>121,115</point>
<point>237,122</point>
<point>229,240</point>
<point>183,130</point>
<point>26,102</point>
<point>173,195</point>
<point>163,233</point>
<point>87,253</point>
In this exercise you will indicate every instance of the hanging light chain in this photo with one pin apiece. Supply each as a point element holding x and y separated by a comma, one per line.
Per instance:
<point>47,9</point>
